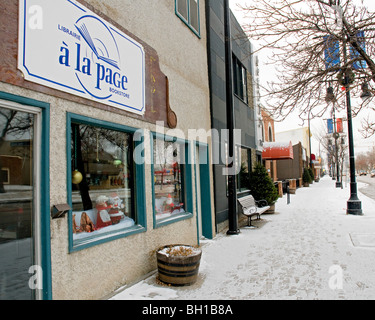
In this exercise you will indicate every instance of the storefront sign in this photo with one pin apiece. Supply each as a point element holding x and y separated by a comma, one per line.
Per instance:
<point>65,46</point>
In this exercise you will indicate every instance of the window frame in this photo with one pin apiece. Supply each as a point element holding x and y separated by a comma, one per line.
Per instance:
<point>187,179</point>
<point>240,85</point>
<point>138,188</point>
<point>7,174</point>
<point>44,219</point>
<point>239,149</point>
<point>188,21</point>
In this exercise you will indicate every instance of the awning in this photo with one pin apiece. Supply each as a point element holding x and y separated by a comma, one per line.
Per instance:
<point>277,150</point>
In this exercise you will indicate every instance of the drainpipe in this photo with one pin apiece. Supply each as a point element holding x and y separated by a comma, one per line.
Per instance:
<point>232,191</point>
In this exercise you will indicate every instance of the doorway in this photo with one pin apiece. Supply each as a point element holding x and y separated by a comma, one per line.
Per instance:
<point>203,192</point>
<point>21,265</point>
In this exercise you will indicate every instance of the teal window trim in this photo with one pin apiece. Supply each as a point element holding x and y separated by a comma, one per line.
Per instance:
<point>204,170</point>
<point>187,181</point>
<point>188,21</point>
<point>45,228</point>
<point>140,203</point>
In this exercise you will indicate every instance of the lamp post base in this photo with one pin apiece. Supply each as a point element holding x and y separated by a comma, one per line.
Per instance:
<point>233,232</point>
<point>354,207</point>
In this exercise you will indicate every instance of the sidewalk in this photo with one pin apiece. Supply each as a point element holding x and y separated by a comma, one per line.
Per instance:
<point>309,249</point>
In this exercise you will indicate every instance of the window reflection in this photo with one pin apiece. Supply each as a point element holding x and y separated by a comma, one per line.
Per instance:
<point>243,163</point>
<point>103,200</point>
<point>168,179</point>
<point>16,204</point>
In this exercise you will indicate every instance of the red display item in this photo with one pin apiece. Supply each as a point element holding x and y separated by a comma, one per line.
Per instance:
<point>115,204</point>
<point>103,219</point>
<point>115,215</point>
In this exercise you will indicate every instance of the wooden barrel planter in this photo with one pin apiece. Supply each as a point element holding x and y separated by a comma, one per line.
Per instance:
<point>178,265</point>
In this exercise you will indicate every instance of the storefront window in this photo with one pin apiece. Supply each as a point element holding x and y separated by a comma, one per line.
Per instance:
<point>102,181</point>
<point>169,179</point>
<point>243,163</point>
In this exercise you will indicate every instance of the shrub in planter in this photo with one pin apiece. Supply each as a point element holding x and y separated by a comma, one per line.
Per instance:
<point>311,175</point>
<point>306,178</point>
<point>261,185</point>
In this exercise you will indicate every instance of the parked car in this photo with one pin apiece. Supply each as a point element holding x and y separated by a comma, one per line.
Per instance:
<point>372,173</point>
<point>362,173</point>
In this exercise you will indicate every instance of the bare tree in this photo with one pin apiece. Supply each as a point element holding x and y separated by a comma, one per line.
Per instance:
<point>17,125</point>
<point>328,144</point>
<point>300,33</point>
<point>371,158</point>
<point>366,160</point>
<point>362,162</point>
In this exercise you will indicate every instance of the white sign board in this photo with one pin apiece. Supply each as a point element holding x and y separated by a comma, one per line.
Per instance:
<point>65,46</point>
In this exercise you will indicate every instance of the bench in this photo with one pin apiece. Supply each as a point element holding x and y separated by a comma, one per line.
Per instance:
<point>251,207</point>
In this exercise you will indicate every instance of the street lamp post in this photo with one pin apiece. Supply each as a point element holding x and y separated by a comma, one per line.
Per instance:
<point>354,205</point>
<point>336,136</point>
<point>232,192</point>
<point>310,140</point>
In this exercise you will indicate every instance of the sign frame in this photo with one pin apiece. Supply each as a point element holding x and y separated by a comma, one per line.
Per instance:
<point>65,46</point>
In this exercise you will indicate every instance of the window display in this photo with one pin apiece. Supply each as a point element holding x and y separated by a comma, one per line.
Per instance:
<point>168,179</point>
<point>102,181</point>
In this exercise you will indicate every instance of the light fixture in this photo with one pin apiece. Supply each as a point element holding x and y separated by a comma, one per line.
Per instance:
<point>366,94</point>
<point>330,97</point>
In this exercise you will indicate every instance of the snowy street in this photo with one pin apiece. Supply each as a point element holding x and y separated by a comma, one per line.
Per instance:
<point>309,249</point>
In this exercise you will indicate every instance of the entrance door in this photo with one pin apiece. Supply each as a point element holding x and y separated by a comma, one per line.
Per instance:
<point>198,194</point>
<point>19,200</point>
<point>203,192</point>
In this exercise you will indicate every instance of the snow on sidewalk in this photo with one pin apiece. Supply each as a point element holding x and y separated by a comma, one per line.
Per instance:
<point>309,249</point>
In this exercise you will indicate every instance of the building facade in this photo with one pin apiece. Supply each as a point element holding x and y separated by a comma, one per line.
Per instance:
<point>100,110</point>
<point>268,126</point>
<point>293,169</point>
<point>243,104</point>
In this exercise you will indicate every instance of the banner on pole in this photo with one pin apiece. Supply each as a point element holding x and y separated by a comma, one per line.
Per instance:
<point>354,54</point>
<point>330,125</point>
<point>339,126</point>
<point>331,52</point>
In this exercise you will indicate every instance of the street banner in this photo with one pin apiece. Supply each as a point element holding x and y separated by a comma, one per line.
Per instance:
<point>360,64</point>
<point>330,125</point>
<point>339,126</point>
<point>331,52</point>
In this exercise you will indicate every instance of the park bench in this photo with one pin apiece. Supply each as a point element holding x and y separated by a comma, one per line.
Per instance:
<point>251,207</point>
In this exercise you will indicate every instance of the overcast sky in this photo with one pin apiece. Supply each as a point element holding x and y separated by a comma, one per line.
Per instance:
<point>293,121</point>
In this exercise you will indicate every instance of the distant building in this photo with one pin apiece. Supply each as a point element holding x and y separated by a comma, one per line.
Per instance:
<point>293,169</point>
<point>268,126</point>
<point>296,136</point>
